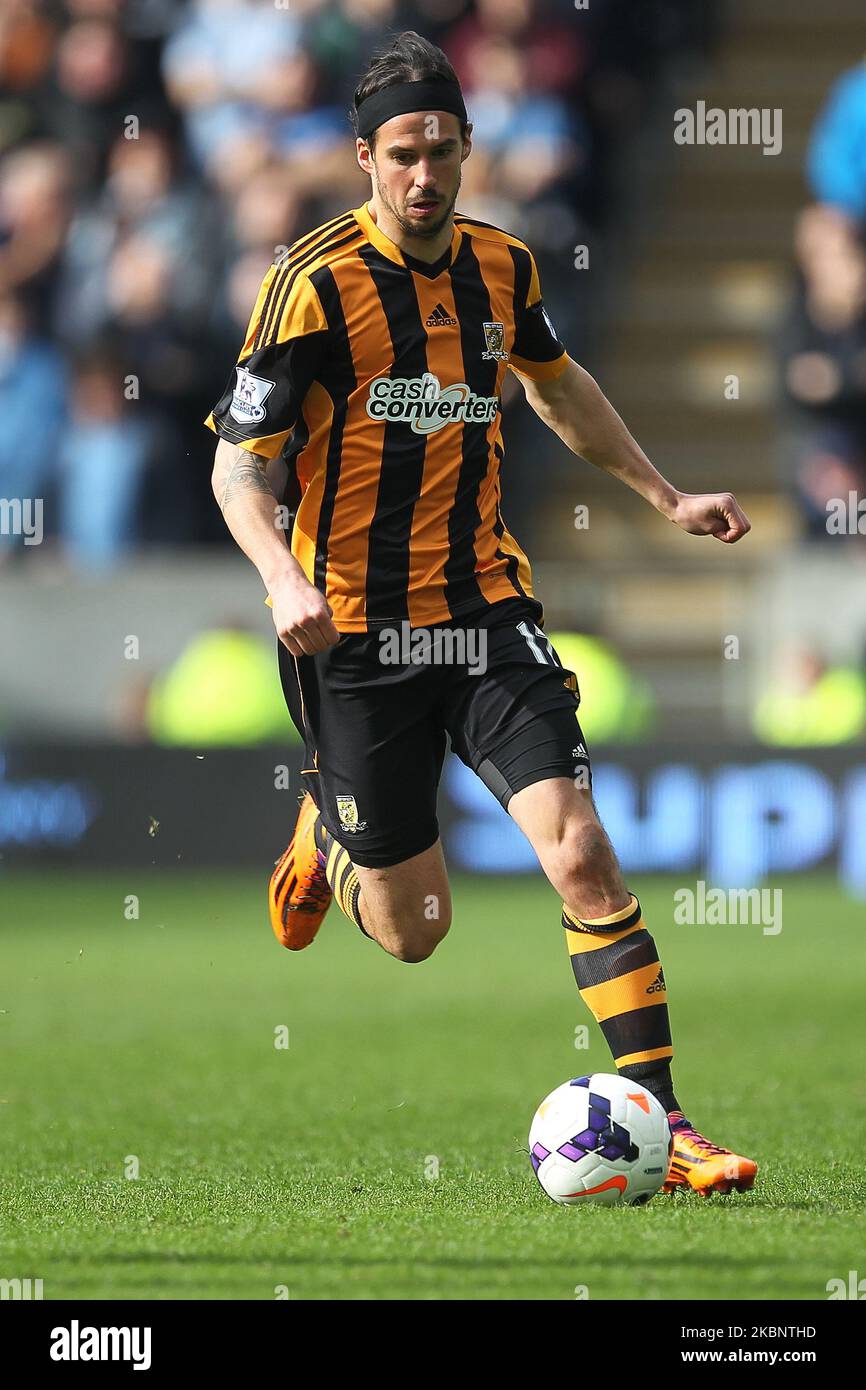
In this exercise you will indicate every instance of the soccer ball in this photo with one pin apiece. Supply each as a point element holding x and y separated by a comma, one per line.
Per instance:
<point>600,1139</point>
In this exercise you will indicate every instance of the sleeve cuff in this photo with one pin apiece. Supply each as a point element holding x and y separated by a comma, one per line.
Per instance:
<point>268,447</point>
<point>539,371</point>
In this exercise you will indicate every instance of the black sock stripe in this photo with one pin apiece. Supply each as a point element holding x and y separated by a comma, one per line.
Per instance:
<point>355,909</point>
<point>336,866</point>
<point>347,870</point>
<point>613,961</point>
<point>656,1077</point>
<point>637,1030</point>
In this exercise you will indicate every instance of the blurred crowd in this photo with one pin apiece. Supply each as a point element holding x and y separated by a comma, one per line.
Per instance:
<point>154,154</point>
<point>824,338</point>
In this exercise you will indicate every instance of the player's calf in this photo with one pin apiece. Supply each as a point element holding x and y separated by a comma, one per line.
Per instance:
<point>585,871</point>
<point>613,957</point>
<point>573,848</point>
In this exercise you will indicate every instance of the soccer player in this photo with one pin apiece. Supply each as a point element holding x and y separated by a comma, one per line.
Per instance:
<point>372,372</point>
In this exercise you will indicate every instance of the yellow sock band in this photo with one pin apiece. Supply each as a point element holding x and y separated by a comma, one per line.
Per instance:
<point>623,917</point>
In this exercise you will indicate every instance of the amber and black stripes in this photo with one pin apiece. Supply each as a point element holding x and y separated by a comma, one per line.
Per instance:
<point>620,979</point>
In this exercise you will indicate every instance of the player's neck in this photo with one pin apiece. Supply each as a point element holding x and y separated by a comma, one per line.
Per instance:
<point>427,249</point>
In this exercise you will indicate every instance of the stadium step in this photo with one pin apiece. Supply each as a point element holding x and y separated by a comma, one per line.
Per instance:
<point>714,275</point>
<point>749,17</point>
<point>736,294</point>
<point>709,286</point>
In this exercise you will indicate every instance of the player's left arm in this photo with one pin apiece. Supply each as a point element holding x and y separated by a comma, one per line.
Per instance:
<point>573,405</point>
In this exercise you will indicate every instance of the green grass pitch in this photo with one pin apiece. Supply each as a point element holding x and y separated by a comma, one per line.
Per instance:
<point>311,1169</point>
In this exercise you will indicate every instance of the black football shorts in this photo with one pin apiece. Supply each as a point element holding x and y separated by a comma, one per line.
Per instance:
<point>377,709</point>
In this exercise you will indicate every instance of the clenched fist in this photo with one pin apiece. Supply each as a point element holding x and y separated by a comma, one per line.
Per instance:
<point>711,514</point>
<point>302,616</point>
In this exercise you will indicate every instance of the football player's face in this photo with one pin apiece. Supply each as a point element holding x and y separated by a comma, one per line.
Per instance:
<point>415,168</point>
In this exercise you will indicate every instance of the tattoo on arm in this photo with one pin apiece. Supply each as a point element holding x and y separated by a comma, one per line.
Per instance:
<point>247,473</point>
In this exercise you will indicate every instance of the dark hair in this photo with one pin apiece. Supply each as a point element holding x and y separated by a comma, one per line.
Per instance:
<point>410,58</point>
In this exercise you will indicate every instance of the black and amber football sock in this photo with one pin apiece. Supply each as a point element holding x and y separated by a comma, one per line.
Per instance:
<point>620,979</point>
<point>341,874</point>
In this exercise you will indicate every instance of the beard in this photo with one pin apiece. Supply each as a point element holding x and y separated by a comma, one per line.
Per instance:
<point>424,230</point>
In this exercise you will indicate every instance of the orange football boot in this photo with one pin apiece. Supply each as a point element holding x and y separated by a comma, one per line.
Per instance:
<point>298,893</point>
<point>703,1166</point>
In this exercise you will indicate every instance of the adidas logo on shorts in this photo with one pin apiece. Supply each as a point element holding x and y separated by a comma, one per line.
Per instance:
<point>658,983</point>
<point>440,318</point>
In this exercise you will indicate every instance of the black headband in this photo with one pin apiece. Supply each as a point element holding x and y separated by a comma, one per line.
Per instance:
<point>405,97</point>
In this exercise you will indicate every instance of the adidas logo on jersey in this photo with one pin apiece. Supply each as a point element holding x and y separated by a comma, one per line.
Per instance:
<point>658,984</point>
<point>440,318</point>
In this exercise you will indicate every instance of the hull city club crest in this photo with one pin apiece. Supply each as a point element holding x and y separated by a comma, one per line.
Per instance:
<point>494,336</point>
<point>347,810</point>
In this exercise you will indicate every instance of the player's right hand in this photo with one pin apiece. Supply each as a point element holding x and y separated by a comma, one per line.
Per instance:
<point>302,616</point>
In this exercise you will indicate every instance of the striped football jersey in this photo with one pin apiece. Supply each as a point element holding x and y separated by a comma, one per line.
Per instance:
<point>378,379</point>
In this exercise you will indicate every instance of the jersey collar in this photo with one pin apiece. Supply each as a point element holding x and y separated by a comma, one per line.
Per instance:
<point>389,249</point>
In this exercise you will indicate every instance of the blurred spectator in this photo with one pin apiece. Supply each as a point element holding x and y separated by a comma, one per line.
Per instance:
<point>32,408</point>
<point>824,363</point>
<point>27,40</point>
<point>811,704</point>
<point>232,61</point>
<point>87,94</point>
<point>555,51</point>
<point>340,38</point>
<point>528,134</point>
<point>836,161</point>
<point>222,690</point>
<point>159,152</point>
<point>34,217</point>
<point>105,452</point>
<point>615,705</point>
<point>266,213</point>
<point>142,197</point>
<point>143,262</point>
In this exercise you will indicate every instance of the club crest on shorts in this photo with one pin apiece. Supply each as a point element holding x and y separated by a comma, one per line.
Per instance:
<point>494,336</point>
<point>347,810</point>
<point>248,399</point>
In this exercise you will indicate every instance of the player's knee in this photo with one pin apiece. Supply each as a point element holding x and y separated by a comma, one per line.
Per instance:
<point>414,941</point>
<point>583,852</point>
<point>414,951</point>
<point>581,843</point>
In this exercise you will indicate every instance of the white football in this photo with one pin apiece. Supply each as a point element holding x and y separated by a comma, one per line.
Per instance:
<point>601,1139</point>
